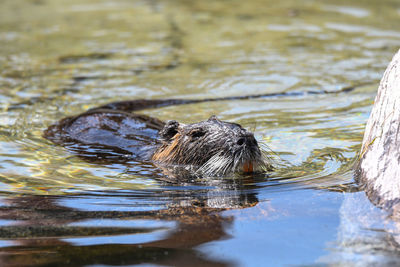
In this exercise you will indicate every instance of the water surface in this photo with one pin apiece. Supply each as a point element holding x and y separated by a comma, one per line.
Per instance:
<point>59,58</point>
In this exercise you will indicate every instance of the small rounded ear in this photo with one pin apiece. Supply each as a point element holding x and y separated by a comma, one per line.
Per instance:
<point>213,118</point>
<point>169,130</point>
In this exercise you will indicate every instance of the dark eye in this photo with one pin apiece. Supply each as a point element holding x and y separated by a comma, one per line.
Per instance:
<point>197,133</point>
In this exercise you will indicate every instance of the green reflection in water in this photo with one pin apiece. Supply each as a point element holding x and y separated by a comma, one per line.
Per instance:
<point>61,57</point>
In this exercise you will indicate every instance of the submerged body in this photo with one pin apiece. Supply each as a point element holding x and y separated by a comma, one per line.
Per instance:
<point>113,133</point>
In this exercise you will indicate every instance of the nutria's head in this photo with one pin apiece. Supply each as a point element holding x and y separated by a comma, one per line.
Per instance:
<point>211,147</point>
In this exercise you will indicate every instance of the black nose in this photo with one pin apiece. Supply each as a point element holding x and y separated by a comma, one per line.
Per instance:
<point>247,139</point>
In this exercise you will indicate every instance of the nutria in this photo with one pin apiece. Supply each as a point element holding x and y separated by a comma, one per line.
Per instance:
<point>113,133</point>
<point>211,147</point>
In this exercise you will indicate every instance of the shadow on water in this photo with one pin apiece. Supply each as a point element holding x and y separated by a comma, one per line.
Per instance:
<point>119,228</point>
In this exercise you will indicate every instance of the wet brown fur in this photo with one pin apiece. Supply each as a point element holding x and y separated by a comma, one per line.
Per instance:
<point>111,132</point>
<point>167,151</point>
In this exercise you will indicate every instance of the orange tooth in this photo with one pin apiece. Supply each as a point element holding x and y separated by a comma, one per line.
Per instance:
<point>248,166</point>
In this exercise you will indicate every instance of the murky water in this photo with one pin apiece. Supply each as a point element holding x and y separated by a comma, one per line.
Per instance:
<point>59,58</point>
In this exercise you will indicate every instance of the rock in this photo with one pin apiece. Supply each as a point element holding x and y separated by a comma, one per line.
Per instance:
<point>378,170</point>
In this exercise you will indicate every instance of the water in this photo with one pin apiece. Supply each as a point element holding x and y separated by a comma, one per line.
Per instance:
<point>59,58</point>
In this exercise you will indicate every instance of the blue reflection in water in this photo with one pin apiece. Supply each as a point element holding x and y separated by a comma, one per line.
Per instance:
<point>118,239</point>
<point>288,229</point>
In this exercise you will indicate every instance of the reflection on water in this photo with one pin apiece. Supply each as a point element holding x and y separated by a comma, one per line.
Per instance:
<point>160,227</point>
<point>59,58</point>
<point>364,229</point>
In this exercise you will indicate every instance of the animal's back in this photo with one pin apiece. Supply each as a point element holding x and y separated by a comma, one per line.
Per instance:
<point>107,134</point>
